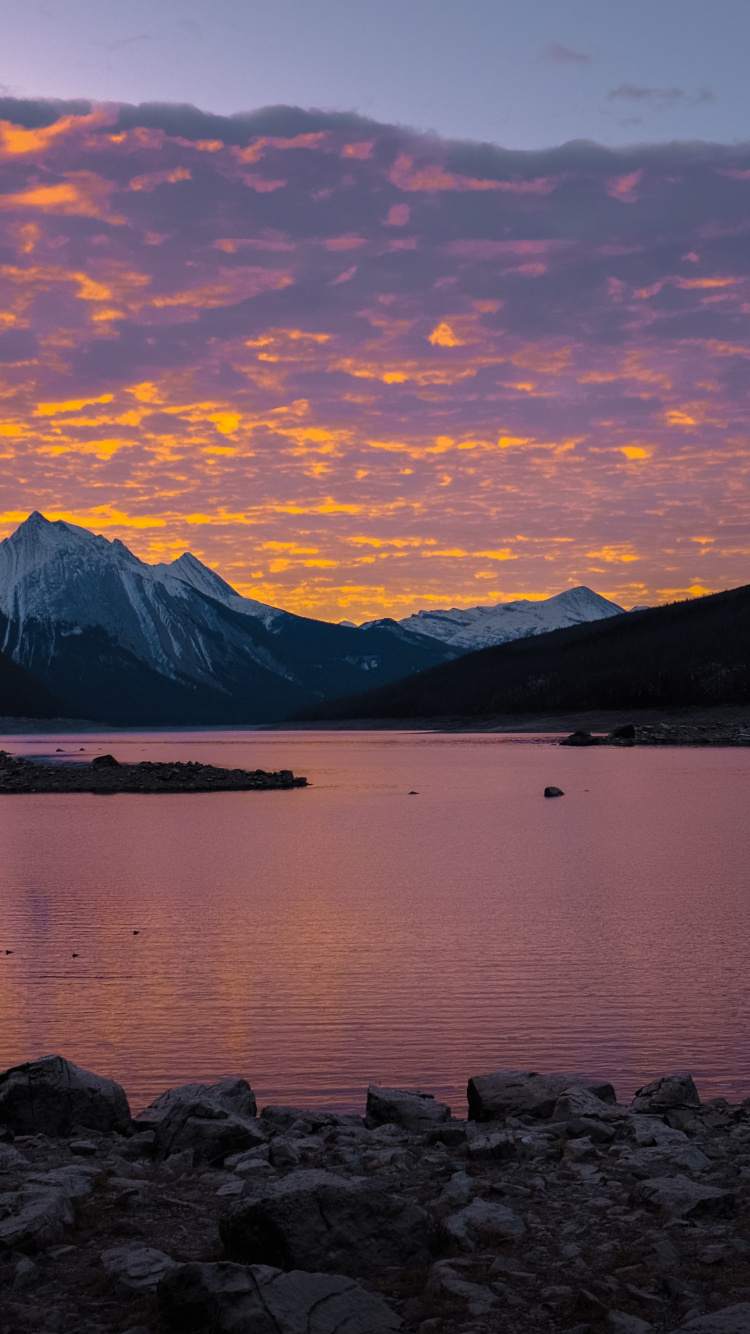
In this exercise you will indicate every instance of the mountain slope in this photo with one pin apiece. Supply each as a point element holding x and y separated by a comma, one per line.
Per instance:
<point>689,653</point>
<point>21,696</point>
<point>132,643</point>
<point>479,627</point>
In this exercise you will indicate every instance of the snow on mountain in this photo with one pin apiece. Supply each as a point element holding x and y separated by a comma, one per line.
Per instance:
<point>479,627</point>
<point>58,573</point>
<point>173,643</point>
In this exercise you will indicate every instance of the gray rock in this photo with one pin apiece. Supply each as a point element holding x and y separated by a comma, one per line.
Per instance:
<point>457,1192</point>
<point>671,1091</point>
<point>134,1271</point>
<point>514,1092</point>
<point>732,1320</point>
<point>679,1197</point>
<point>51,1096</point>
<point>212,1120</point>
<point>648,1130</point>
<point>11,1160</point>
<point>415,1112</point>
<point>315,1220</point>
<point>444,1282</point>
<point>82,1148</point>
<point>25,1273</point>
<point>76,1180</point>
<point>484,1145</point>
<point>34,1217</point>
<point>553,791</point>
<point>238,1299</point>
<point>619,1322</point>
<point>484,1223</point>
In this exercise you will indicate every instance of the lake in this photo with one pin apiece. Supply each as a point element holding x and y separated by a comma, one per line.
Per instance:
<point>321,939</point>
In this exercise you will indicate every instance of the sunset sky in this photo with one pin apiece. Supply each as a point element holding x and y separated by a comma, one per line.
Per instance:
<point>360,369</point>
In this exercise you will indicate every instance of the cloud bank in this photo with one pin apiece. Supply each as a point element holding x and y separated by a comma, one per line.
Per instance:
<point>360,370</point>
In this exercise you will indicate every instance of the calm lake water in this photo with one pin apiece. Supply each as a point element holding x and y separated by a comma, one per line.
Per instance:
<point>319,939</point>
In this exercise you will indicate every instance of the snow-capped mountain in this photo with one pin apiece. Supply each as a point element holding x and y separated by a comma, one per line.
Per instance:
<point>480,627</point>
<point>129,642</point>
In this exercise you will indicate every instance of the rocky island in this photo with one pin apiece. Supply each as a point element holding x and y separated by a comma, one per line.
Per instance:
<point>106,775</point>
<point>552,1207</point>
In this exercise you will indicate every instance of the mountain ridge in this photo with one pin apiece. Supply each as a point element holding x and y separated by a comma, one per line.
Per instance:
<point>695,652</point>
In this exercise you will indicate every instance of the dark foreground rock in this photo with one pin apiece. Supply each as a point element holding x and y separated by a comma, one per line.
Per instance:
<point>554,1210</point>
<point>722,733</point>
<point>51,1096</point>
<point>256,1299</point>
<point>105,774</point>
<point>317,1220</point>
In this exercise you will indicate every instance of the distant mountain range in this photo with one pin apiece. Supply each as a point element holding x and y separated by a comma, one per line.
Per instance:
<point>687,653</point>
<point>480,627</point>
<point>94,632</point>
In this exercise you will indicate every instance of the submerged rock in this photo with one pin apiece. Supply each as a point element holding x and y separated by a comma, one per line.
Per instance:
<point>553,792</point>
<point>51,1096</point>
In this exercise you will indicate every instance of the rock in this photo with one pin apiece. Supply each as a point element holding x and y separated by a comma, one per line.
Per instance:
<point>732,1320</point>
<point>619,1322</point>
<point>415,1112</point>
<point>679,1197</point>
<point>11,1160</point>
<point>444,1282</point>
<point>134,1271</point>
<point>105,762</point>
<point>648,1130</point>
<point>484,1223</point>
<point>51,1096</point>
<point>457,1192</point>
<point>580,738</point>
<point>516,1092</point>
<point>663,1094</point>
<point>82,1148</point>
<point>581,1101</point>
<point>314,1220</point>
<point>25,1273</point>
<point>256,1299</point>
<point>554,791</point>
<point>484,1145</point>
<point>34,1217</point>
<point>625,732</point>
<point>210,1120</point>
<point>76,1179</point>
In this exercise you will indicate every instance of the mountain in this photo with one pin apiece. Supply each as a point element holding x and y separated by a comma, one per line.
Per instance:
<point>479,627</point>
<point>688,653</point>
<point>173,644</point>
<point>21,696</point>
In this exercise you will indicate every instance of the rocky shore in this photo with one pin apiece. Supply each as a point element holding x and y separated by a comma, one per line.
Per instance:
<point>106,775</point>
<point>665,734</point>
<point>551,1208</point>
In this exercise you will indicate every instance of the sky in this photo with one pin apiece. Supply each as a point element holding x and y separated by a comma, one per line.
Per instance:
<point>360,367</point>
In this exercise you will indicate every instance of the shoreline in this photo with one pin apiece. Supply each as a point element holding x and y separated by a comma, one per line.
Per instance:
<point>553,1208</point>
<point>106,776</point>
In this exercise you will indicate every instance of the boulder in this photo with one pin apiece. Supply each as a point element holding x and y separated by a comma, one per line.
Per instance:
<point>662,1095</point>
<point>679,1197</point>
<point>51,1096</point>
<point>484,1223</point>
<point>211,1120</point>
<point>256,1299</point>
<point>625,732</point>
<point>732,1320</point>
<point>415,1112</point>
<point>580,738</point>
<point>105,762</point>
<point>315,1220</point>
<point>135,1271</point>
<point>516,1092</point>
<point>554,791</point>
<point>34,1217</point>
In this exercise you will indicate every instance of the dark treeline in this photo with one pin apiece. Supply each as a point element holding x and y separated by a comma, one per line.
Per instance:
<point>688,653</point>
<point>22,696</point>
